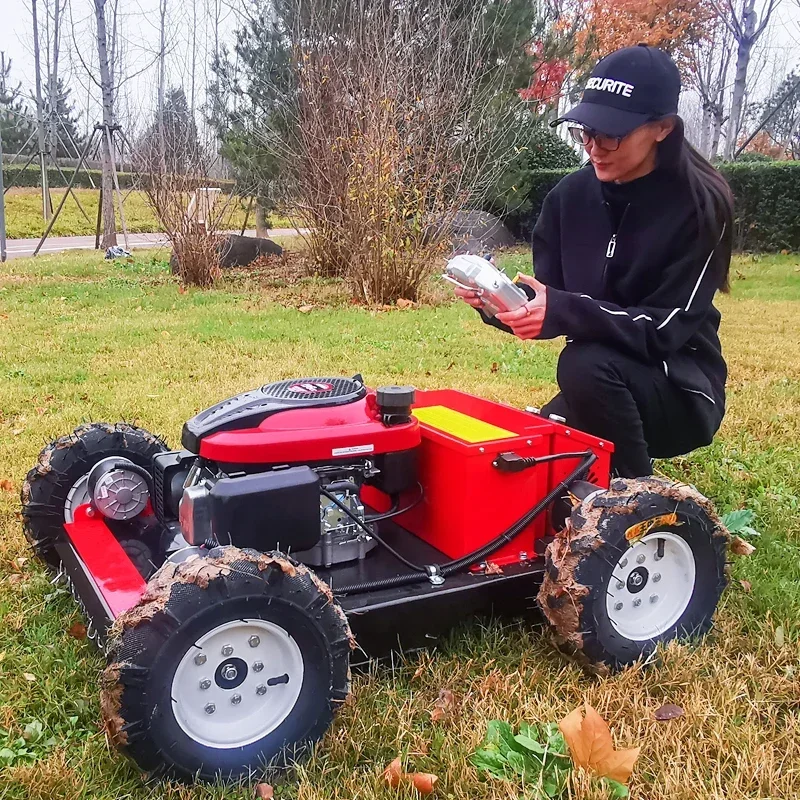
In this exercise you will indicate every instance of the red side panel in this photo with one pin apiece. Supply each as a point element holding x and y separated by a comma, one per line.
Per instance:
<point>467,501</point>
<point>117,580</point>
<point>311,434</point>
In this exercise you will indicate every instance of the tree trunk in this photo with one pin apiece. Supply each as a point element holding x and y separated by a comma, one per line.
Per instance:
<point>745,42</point>
<point>109,225</point>
<point>162,148</point>
<point>716,133</point>
<point>261,221</point>
<point>705,130</point>
<point>47,209</point>
<point>54,84</point>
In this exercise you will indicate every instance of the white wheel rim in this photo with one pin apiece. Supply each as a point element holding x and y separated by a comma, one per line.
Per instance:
<point>651,586</point>
<point>268,667</point>
<point>78,495</point>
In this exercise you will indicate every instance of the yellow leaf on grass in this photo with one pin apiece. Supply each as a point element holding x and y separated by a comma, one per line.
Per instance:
<point>591,747</point>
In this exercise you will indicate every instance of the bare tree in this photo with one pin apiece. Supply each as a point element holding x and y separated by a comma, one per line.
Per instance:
<point>47,208</point>
<point>746,29</point>
<point>708,62</point>
<point>162,74</point>
<point>400,114</point>
<point>107,89</point>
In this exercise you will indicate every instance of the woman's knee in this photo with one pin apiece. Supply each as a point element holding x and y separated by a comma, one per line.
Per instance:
<point>584,367</point>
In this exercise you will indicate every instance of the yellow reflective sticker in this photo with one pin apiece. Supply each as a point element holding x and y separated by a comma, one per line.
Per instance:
<point>641,529</point>
<point>462,426</point>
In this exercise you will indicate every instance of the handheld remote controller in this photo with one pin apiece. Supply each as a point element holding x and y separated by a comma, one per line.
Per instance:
<point>495,289</point>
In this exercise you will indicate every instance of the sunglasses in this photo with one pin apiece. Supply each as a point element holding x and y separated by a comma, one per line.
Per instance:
<point>584,136</point>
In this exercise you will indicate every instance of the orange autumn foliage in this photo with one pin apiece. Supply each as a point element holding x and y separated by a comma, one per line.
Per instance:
<point>672,25</point>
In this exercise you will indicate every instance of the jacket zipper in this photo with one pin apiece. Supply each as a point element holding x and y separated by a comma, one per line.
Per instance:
<point>611,248</point>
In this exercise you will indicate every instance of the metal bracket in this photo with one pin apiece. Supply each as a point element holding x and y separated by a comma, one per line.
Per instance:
<point>434,575</point>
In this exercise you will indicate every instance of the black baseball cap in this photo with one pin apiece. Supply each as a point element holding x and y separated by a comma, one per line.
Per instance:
<point>626,89</point>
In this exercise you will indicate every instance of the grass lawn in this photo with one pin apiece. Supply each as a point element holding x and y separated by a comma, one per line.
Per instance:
<point>24,213</point>
<point>84,339</point>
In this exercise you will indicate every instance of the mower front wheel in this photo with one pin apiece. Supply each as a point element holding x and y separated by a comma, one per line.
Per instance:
<point>230,663</point>
<point>638,565</point>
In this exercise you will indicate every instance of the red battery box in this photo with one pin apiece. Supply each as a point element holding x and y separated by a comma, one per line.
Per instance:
<point>467,500</point>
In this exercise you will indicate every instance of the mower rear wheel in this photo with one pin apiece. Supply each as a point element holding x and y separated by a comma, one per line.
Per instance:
<point>640,564</point>
<point>58,483</point>
<point>230,664</point>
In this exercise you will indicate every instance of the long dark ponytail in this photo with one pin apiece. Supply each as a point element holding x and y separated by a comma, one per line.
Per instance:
<point>713,199</point>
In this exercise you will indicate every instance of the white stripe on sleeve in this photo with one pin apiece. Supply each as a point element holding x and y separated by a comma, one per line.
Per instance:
<point>669,317</point>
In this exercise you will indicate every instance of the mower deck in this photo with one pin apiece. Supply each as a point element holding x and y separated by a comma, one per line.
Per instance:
<point>383,620</point>
<point>403,618</point>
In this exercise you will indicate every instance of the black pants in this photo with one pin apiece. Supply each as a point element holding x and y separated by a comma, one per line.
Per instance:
<point>634,405</point>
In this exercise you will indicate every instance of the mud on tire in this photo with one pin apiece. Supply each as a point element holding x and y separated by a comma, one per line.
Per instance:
<point>62,463</point>
<point>642,563</point>
<point>167,668</point>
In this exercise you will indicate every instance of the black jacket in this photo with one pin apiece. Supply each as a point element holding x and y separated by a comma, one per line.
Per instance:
<point>624,264</point>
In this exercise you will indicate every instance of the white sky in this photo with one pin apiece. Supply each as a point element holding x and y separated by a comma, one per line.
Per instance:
<point>140,29</point>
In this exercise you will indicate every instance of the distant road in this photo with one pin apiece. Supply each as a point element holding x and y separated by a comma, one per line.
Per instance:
<point>18,248</point>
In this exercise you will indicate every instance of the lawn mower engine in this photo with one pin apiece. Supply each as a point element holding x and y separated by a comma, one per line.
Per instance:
<point>229,580</point>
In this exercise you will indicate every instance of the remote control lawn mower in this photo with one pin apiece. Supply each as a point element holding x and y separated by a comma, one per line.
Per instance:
<point>229,581</point>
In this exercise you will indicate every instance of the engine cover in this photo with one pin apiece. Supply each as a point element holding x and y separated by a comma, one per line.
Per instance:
<point>250,409</point>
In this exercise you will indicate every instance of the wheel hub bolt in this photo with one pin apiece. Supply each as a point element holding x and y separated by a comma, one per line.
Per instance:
<point>261,689</point>
<point>205,683</point>
<point>236,699</point>
<point>637,602</point>
<point>229,672</point>
<point>200,659</point>
<point>620,585</point>
<point>653,598</point>
<point>657,577</point>
<point>618,607</point>
<point>254,641</point>
<point>258,666</point>
<point>624,562</point>
<point>210,708</point>
<point>640,559</point>
<point>227,650</point>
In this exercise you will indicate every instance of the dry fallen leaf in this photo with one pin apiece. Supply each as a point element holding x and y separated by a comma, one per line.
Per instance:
<point>403,303</point>
<point>29,677</point>
<point>7,485</point>
<point>393,774</point>
<point>423,782</point>
<point>740,547</point>
<point>747,586</point>
<point>591,747</point>
<point>77,630</point>
<point>305,309</point>
<point>493,569</point>
<point>418,671</point>
<point>442,705</point>
<point>494,367</point>
<point>668,711</point>
<point>264,791</point>
<point>780,638</point>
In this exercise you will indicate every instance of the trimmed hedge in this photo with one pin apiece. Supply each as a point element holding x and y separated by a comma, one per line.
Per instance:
<point>766,211</point>
<point>12,173</point>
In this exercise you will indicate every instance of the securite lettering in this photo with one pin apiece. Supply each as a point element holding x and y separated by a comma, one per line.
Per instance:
<point>608,85</point>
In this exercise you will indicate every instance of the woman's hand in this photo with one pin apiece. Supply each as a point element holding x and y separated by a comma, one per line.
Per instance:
<point>469,296</point>
<point>526,321</point>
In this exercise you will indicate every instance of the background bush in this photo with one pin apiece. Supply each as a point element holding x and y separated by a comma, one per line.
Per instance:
<point>12,173</point>
<point>766,211</point>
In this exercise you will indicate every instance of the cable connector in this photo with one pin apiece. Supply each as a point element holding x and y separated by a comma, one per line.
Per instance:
<point>434,574</point>
<point>512,462</point>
